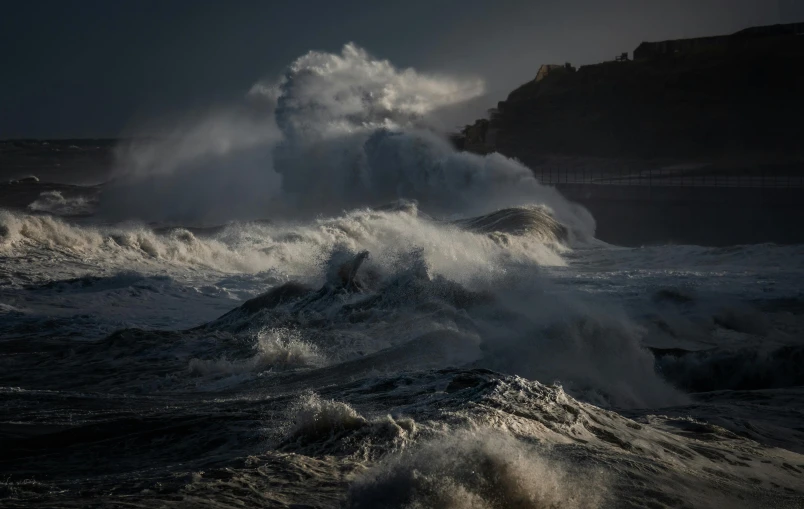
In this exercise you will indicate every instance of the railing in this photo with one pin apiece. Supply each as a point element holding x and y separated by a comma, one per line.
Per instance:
<point>675,177</point>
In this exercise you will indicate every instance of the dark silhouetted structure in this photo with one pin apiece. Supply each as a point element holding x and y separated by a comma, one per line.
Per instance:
<point>649,50</point>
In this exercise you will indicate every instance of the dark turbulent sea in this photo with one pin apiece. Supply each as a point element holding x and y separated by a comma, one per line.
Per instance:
<point>391,325</point>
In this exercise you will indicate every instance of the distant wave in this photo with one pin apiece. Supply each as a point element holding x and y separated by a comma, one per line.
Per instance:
<point>54,202</point>
<point>748,368</point>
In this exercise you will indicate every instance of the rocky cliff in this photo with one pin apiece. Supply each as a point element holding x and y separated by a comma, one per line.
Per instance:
<point>743,99</point>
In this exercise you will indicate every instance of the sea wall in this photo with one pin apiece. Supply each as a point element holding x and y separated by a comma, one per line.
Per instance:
<point>708,216</point>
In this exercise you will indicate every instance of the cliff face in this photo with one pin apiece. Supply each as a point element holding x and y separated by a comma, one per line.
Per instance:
<point>745,97</point>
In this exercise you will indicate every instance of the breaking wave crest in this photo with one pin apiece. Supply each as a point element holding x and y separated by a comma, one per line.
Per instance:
<point>314,418</point>
<point>274,350</point>
<point>534,220</point>
<point>119,245</point>
<point>298,250</point>
<point>477,470</point>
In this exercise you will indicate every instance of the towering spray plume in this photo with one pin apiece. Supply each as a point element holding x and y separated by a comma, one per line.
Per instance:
<point>340,130</point>
<point>326,94</point>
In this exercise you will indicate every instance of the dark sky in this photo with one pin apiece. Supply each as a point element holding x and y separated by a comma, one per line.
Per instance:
<point>86,68</point>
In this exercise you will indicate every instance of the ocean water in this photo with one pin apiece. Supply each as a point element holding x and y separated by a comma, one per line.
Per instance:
<point>317,302</point>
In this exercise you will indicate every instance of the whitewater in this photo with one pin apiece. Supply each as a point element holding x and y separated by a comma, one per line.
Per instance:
<point>310,299</point>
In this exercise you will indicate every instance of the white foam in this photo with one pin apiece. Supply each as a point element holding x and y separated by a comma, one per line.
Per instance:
<point>298,251</point>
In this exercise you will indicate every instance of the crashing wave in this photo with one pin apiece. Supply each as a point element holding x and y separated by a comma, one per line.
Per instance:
<point>598,357</point>
<point>335,132</point>
<point>519,221</point>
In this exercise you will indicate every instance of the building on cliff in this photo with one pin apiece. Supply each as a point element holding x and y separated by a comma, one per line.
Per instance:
<point>650,50</point>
